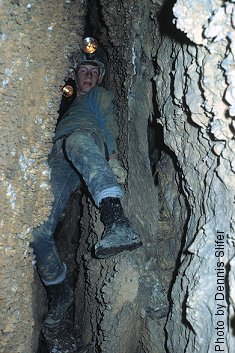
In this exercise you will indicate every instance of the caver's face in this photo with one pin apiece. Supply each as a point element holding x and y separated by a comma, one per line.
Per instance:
<point>87,78</point>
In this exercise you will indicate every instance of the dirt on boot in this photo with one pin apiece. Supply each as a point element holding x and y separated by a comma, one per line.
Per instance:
<point>60,296</point>
<point>116,239</point>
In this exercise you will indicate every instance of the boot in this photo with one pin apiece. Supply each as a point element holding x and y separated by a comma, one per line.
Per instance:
<point>60,298</point>
<point>119,234</point>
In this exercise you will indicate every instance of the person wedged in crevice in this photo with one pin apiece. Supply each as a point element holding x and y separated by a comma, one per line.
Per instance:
<point>83,138</point>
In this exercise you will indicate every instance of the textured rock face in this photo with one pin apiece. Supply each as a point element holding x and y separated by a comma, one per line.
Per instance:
<point>188,88</point>
<point>116,310</point>
<point>197,116</point>
<point>33,66</point>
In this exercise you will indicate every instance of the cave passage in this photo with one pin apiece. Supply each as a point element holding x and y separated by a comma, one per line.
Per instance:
<point>74,239</point>
<point>170,66</point>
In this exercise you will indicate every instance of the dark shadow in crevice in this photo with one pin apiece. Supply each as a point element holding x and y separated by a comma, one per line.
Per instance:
<point>42,345</point>
<point>231,323</point>
<point>166,25</point>
<point>93,20</point>
<point>157,147</point>
<point>65,337</point>
<point>94,23</point>
<point>156,144</point>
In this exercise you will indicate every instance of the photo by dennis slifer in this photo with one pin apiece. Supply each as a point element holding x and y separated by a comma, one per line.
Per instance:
<point>220,299</point>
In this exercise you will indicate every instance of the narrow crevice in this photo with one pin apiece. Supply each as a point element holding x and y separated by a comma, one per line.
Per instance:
<point>80,235</point>
<point>158,149</point>
<point>164,162</point>
<point>67,235</point>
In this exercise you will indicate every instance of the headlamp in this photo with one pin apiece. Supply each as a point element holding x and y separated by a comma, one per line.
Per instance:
<point>67,90</point>
<point>89,45</point>
<point>88,48</point>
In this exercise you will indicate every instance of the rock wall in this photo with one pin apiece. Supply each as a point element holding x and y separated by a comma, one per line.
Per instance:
<point>186,84</point>
<point>37,38</point>
<point>197,114</point>
<point>116,312</point>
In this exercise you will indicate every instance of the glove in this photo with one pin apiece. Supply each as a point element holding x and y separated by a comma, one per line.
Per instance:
<point>117,170</point>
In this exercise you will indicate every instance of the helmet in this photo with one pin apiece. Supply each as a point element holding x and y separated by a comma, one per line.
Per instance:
<point>88,56</point>
<point>84,60</point>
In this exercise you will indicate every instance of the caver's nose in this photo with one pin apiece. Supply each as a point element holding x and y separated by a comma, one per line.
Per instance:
<point>88,74</point>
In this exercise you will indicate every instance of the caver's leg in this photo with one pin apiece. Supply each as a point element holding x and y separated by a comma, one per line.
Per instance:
<point>85,150</point>
<point>64,180</point>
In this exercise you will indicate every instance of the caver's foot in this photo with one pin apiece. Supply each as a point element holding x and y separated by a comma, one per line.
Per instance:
<point>60,298</point>
<point>119,234</point>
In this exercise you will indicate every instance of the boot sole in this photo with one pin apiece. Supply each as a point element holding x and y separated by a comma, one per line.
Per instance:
<point>103,253</point>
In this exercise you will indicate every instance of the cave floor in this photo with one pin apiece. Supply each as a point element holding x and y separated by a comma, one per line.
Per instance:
<point>63,339</point>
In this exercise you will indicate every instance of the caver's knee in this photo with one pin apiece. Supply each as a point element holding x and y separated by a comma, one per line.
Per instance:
<point>79,136</point>
<point>79,140</point>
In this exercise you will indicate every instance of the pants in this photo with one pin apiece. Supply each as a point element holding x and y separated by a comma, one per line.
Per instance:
<point>81,154</point>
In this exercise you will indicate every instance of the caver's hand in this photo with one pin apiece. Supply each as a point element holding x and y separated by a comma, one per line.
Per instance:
<point>117,169</point>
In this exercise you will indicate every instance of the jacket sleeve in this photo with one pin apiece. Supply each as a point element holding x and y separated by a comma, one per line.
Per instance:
<point>107,118</point>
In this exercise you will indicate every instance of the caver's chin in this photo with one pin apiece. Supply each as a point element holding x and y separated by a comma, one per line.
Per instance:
<point>85,87</point>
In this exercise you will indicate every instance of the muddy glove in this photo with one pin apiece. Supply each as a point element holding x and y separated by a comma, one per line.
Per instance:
<point>118,171</point>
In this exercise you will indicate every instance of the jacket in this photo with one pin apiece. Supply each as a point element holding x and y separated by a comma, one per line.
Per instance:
<point>96,111</point>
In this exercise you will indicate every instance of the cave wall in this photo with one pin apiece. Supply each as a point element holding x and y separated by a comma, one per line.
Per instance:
<point>185,83</point>
<point>116,312</point>
<point>37,39</point>
<point>197,114</point>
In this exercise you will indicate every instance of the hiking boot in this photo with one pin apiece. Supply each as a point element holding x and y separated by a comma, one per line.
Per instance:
<point>119,234</point>
<point>60,298</point>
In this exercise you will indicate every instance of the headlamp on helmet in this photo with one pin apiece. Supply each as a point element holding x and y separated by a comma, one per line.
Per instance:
<point>88,56</point>
<point>89,46</point>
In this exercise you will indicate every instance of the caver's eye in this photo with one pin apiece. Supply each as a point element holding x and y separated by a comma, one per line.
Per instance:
<point>82,70</point>
<point>95,72</point>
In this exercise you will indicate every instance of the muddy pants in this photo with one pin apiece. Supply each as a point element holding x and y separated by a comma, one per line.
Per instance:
<point>81,154</point>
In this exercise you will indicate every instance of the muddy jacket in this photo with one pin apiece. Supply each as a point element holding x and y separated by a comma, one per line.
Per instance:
<point>93,111</point>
